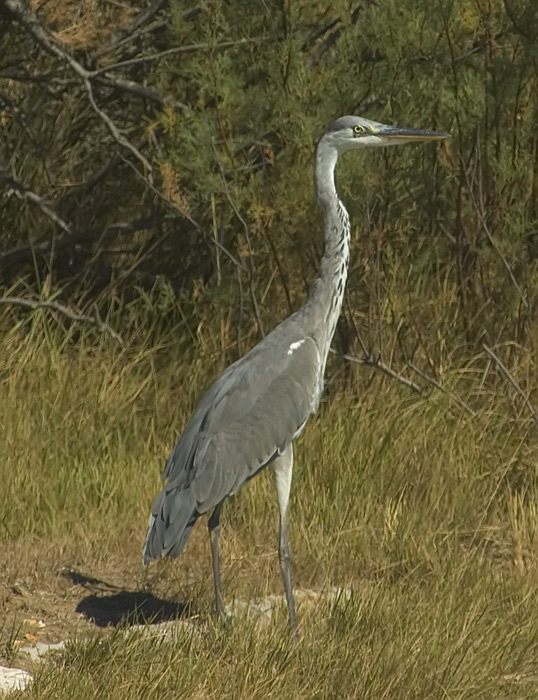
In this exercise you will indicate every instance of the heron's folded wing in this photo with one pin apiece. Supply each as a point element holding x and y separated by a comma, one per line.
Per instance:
<point>256,420</point>
<point>252,413</point>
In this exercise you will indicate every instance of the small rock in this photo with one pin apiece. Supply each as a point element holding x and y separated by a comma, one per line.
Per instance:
<point>303,596</point>
<point>13,679</point>
<point>39,650</point>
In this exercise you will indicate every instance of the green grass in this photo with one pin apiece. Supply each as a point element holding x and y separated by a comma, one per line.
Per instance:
<point>426,515</point>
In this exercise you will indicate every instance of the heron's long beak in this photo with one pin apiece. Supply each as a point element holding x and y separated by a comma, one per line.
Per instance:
<point>403,134</point>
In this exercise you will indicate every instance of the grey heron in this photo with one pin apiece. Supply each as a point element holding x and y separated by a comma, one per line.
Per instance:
<point>249,418</point>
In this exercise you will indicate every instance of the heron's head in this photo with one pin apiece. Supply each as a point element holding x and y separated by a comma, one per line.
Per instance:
<point>349,133</point>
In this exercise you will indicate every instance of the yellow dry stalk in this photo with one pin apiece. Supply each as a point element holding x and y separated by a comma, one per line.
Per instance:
<point>171,187</point>
<point>82,25</point>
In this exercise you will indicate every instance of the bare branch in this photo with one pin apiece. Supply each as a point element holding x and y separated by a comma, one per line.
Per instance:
<point>247,238</point>
<point>371,361</point>
<point>377,363</point>
<point>24,15</point>
<point>113,128</point>
<point>65,311</point>
<point>139,90</point>
<point>187,48</point>
<point>142,18</point>
<point>504,370</point>
<point>480,209</point>
<point>19,255</point>
<point>26,195</point>
<point>436,384</point>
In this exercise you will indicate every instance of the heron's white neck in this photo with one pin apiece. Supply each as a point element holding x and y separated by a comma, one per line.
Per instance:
<point>325,299</point>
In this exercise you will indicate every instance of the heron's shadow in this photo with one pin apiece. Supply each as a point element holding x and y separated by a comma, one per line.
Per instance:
<point>124,607</point>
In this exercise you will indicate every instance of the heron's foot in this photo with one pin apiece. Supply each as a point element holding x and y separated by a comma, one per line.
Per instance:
<point>295,636</point>
<point>222,619</point>
<point>219,608</point>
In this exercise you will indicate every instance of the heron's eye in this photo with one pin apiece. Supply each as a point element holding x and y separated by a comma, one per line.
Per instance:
<point>358,129</point>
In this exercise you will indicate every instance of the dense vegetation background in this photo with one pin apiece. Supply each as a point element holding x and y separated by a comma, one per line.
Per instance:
<point>165,151</point>
<point>157,217</point>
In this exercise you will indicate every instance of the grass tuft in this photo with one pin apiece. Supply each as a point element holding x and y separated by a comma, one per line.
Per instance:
<point>423,516</point>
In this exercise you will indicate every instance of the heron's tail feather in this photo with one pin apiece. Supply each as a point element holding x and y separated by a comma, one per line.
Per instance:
<point>172,518</point>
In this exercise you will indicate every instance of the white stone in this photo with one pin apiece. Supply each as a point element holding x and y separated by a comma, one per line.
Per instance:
<point>39,650</point>
<point>13,679</point>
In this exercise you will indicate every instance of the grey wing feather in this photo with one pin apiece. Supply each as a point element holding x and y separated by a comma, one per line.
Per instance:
<point>250,414</point>
<point>258,421</point>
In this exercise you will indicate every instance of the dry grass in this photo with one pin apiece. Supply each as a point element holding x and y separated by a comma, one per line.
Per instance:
<point>83,25</point>
<point>426,514</point>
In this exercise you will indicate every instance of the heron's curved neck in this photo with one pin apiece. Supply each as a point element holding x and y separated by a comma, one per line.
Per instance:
<point>325,299</point>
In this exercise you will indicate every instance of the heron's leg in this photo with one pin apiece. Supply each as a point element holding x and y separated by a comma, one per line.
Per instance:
<point>214,530</point>
<point>282,468</point>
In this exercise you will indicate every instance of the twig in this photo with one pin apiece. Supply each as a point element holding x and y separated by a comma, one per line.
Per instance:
<point>22,193</point>
<point>139,26</point>
<point>371,361</point>
<point>66,311</point>
<point>145,16</point>
<point>154,27</point>
<point>511,379</point>
<point>18,255</point>
<point>436,384</point>
<point>187,48</point>
<point>247,238</point>
<point>481,211</point>
<point>332,31</point>
<point>84,187</point>
<point>280,271</point>
<point>139,90</point>
<point>112,127</point>
<point>209,238</point>
<point>377,363</point>
<point>24,15</point>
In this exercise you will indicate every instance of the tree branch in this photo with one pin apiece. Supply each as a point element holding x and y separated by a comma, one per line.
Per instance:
<point>436,384</point>
<point>145,16</point>
<point>19,255</point>
<point>65,311</point>
<point>205,235</point>
<point>187,48</point>
<point>504,370</point>
<point>113,128</point>
<point>22,193</point>
<point>139,90</point>
<point>480,209</point>
<point>377,363</point>
<point>24,15</point>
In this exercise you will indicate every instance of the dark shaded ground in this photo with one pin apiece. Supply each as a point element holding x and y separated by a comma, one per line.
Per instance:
<point>119,606</point>
<point>42,601</point>
<point>130,607</point>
